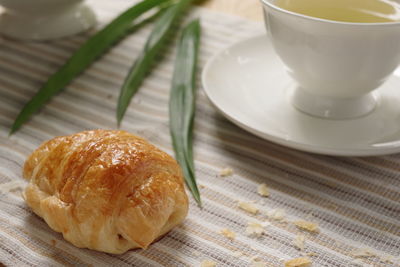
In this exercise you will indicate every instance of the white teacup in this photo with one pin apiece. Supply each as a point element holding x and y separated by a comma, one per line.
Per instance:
<point>44,19</point>
<point>337,65</point>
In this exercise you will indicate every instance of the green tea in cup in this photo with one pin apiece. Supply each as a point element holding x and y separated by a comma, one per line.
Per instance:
<point>366,11</point>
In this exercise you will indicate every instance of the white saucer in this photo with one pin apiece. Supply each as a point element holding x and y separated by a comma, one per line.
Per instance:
<point>248,83</point>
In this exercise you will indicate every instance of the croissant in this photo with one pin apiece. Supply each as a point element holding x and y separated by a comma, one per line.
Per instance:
<point>105,190</point>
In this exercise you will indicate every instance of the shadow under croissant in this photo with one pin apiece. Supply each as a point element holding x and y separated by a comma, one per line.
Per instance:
<point>53,245</point>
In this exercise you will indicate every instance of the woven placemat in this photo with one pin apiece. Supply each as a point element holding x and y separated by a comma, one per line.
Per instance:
<point>354,201</point>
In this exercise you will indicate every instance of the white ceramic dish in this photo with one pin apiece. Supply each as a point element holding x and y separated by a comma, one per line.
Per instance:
<point>248,83</point>
<point>44,19</point>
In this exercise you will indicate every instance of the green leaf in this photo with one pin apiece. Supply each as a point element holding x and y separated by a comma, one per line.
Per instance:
<point>84,56</point>
<point>143,63</point>
<point>182,104</point>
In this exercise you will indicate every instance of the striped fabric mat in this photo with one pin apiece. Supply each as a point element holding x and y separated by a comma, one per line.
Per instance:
<point>355,201</point>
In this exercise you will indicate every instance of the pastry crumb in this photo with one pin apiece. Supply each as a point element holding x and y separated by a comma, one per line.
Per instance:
<point>308,226</point>
<point>311,254</point>
<point>258,264</point>
<point>262,190</point>
<point>53,242</point>
<point>256,261</point>
<point>363,253</point>
<point>196,253</point>
<point>247,206</point>
<point>208,263</point>
<point>225,172</point>
<point>357,262</point>
<point>298,262</point>
<point>266,224</point>
<point>228,233</point>
<point>237,254</point>
<point>299,242</point>
<point>254,229</point>
<point>255,258</point>
<point>253,248</point>
<point>276,214</point>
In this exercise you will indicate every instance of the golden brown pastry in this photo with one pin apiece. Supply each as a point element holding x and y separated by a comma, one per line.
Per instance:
<point>105,190</point>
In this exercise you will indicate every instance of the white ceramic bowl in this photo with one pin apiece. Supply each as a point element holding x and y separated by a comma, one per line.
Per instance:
<point>337,65</point>
<point>44,19</point>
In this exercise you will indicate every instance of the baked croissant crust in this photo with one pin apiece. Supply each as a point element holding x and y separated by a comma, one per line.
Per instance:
<point>105,190</point>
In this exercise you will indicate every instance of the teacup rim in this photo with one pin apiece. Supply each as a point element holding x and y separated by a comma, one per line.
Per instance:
<point>363,24</point>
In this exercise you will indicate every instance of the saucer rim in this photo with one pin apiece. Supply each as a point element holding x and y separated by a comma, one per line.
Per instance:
<point>300,146</point>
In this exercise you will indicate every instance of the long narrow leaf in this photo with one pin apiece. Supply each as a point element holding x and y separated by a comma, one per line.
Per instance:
<point>83,57</point>
<point>143,63</point>
<point>182,104</point>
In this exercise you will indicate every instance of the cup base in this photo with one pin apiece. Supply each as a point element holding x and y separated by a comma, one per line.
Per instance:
<point>68,20</point>
<point>330,107</point>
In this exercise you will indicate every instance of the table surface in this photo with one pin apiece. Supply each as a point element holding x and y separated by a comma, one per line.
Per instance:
<point>250,9</point>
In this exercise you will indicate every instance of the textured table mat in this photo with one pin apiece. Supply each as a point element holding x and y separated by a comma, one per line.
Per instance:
<point>355,201</point>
